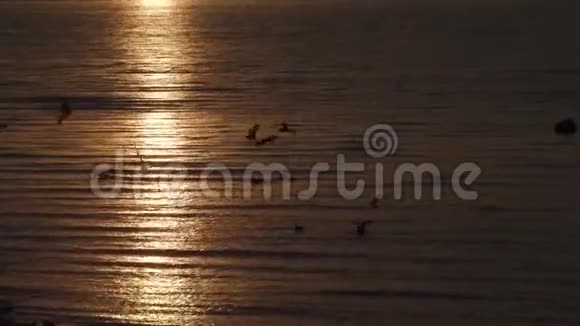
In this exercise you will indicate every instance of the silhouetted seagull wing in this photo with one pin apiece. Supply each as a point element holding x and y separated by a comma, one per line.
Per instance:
<point>65,111</point>
<point>266,140</point>
<point>253,131</point>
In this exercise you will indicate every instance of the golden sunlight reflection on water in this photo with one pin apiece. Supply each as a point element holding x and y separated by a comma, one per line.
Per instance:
<point>182,81</point>
<point>158,287</point>
<point>154,42</point>
<point>157,41</point>
<point>157,3</point>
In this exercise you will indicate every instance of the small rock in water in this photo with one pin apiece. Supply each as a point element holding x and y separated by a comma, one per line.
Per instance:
<point>566,127</point>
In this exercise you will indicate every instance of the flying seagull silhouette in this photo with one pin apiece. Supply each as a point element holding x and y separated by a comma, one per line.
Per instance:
<point>266,140</point>
<point>65,111</point>
<point>252,132</point>
<point>361,228</point>
<point>144,165</point>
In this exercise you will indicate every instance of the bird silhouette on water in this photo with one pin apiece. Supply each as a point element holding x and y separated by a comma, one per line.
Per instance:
<point>285,128</point>
<point>264,141</point>
<point>252,132</point>
<point>361,228</point>
<point>566,127</point>
<point>298,228</point>
<point>65,111</point>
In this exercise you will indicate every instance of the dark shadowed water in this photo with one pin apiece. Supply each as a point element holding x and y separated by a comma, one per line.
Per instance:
<point>180,82</point>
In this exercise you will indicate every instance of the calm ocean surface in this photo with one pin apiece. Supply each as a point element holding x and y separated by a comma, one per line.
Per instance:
<point>180,83</point>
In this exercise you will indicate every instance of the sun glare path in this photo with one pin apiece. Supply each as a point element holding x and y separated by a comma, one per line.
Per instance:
<point>157,3</point>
